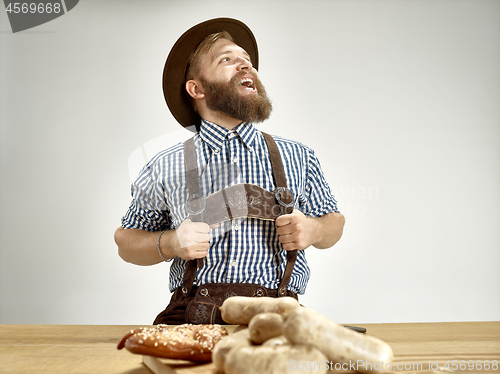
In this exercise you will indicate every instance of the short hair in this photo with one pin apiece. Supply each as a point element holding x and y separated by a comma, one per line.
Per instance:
<point>193,67</point>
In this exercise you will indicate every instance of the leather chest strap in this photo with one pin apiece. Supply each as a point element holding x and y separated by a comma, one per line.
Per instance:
<point>237,198</point>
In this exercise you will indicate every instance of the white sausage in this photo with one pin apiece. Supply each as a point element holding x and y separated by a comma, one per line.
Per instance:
<point>339,344</point>
<point>279,340</point>
<point>239,310</point>
<point>226,344</point>
<point>265,326</point>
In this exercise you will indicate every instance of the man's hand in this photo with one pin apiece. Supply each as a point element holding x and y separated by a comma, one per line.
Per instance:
<point>297,231</point>
<point>194,240</point>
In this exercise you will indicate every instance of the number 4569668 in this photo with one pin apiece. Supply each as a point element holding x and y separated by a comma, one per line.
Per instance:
<point>33,8</point>
<point>471,365</point>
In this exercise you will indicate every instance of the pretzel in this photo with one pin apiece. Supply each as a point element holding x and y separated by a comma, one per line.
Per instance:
<point>184,342</point>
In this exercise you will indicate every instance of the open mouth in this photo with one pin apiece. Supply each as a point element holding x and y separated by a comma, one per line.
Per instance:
<point>248,84</point>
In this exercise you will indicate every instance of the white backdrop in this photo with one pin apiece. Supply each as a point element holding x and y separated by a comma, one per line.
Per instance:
<point>400,100</point>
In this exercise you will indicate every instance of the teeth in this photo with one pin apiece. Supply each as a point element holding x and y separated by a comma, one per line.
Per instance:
<point>247,81</point>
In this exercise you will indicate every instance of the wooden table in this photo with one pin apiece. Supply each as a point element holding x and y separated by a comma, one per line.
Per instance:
<point>58,349</point>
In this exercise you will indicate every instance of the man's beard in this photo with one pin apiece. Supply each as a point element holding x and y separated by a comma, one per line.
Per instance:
<point>225,97</point>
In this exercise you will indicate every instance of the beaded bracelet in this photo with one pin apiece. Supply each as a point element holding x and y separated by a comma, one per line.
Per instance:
<point>159,250</point>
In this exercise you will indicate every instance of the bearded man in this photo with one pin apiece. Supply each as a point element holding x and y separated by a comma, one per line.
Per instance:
<point>234,208</point>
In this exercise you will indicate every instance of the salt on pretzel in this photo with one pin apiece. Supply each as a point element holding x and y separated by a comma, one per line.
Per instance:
<point>184,342</point>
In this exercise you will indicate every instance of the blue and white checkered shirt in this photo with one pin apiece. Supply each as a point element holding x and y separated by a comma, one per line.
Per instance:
<point>245,250</point>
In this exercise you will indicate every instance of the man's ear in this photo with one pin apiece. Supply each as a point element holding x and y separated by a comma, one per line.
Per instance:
<point>194,89</point>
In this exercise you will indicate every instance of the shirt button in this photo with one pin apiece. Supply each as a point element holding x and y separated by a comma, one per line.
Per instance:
<point>235,160</point>
<point>233,264</point>
<point>236,227</point>
<point>217,151</point>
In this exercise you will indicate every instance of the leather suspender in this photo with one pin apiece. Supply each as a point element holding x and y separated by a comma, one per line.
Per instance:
<point>259,203</point>
<point>287,195</point>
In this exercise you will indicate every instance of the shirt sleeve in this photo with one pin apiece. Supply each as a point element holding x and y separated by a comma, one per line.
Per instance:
<point>319,198</point>
<point>148,209</point>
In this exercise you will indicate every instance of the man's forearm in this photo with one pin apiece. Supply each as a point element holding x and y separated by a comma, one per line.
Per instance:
<point>328,229</point>
<point>140,247</point>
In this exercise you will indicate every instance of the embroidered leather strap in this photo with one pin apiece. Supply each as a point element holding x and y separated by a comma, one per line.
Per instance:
<point>241,200</point>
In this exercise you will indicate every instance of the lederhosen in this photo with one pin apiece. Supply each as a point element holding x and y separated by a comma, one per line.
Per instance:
<point>200,304</point>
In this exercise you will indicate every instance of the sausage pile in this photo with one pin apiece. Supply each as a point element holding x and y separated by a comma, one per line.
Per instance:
<point>276,336</point>
<point>283,337</point>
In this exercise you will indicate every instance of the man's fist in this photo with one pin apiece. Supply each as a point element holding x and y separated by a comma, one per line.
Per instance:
<point>295,230</point>
<point>194,239</point>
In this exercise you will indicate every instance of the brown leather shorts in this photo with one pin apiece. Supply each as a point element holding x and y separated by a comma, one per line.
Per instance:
<point>201,305</point>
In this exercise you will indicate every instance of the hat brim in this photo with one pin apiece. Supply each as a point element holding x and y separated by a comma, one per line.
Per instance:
<point>174,71</point>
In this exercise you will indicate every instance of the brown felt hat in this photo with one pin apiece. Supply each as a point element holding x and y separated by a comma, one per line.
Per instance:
<point>175,67</point>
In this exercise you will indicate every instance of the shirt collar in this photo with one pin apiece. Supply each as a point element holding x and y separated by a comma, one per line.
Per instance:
<point>215,135</point>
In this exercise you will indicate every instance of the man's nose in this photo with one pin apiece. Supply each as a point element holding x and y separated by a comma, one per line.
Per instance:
<point>243,63</point>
